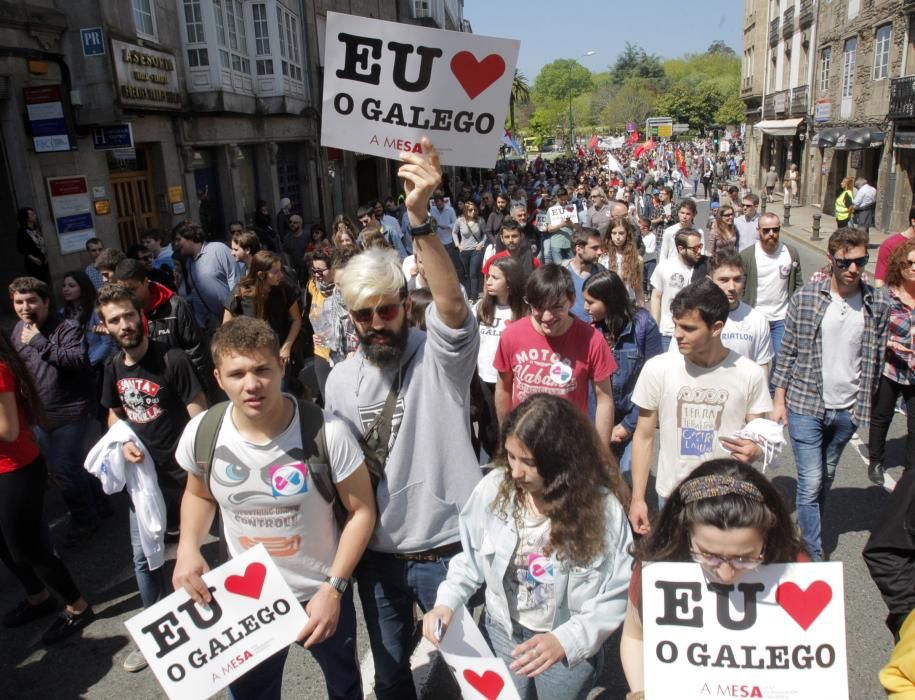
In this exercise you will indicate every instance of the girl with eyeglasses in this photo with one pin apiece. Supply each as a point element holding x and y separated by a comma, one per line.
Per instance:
<point>723,231</point>
<point>725,516</point>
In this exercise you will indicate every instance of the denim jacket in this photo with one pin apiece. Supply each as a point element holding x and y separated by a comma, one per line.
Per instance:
<point>590,600</point>
<point>639,341</point>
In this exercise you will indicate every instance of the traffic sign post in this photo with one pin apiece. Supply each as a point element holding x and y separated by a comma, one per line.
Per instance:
<point>93,41</point>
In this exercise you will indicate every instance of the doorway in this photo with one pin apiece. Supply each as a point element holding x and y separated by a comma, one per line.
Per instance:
<point>134,195</point>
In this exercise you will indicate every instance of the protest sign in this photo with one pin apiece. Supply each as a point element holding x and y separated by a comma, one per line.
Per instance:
<point>777,632</point>
<point>541,221</point>
<point>477,671</point>
<point>559,214</point>
<point>386,85</point>
<point>196,651</point>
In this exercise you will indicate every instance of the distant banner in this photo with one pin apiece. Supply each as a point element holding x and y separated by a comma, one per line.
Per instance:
<point>386,85</point>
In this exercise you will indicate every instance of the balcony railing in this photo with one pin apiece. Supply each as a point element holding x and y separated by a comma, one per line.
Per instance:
<point>902,98</point>
<point>805,16</point>
<point>773,32</point>
<point>798,105</point>
<point>788,22</point>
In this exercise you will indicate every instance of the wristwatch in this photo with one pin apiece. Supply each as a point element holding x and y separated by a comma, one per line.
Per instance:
<point>423,229</point>
<point>338,584</point>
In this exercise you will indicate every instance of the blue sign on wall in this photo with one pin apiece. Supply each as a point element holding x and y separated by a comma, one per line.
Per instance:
<point>106,138</point>
<point>93,41</point>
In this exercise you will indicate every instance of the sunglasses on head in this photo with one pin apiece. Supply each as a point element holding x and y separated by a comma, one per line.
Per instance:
<point>846,263</point>
<point>387,312</point>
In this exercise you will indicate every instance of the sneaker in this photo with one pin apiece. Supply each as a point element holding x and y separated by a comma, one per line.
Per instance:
<point>135,661</point>
<point>25,612</point>
<point>78,535</point>
<point>67,625</point>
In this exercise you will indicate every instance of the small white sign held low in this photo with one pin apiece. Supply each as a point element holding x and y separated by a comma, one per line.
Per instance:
<point>777,632</point>
<point>197,651</point>
<point>386,85</point>
<point>477,671</point>
<point>559,214</point>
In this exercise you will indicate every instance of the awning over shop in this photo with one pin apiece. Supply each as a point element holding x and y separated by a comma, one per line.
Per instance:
<point>860,138</point>
<point>826,138</point>
<point>779,127</point>
<point>904,139</point>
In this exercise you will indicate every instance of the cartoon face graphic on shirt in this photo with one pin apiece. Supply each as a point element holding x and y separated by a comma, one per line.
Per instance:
<point>280,480</point>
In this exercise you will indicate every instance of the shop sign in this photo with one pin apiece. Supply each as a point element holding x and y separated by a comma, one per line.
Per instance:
<point>71,209</point>
<point>93,41</point>
<point>108,138</point>
<point>45,109</point>
<point>822,112</point>
<point>145,77</point>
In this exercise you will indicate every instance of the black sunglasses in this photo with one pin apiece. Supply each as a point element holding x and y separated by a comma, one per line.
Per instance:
<point>770,229</point>
<point>845,263</point>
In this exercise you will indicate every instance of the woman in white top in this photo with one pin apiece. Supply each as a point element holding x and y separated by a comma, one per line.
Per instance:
<point>622,256</point>
<point>470,241</point>
<point>502,303</point>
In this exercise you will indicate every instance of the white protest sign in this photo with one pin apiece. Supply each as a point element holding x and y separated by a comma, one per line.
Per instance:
<point>197,651</point>
<point>559,214</point>
<point>478,672</point>
<point>541,221</point>
<point>777,632</point>
<point>386,85</point>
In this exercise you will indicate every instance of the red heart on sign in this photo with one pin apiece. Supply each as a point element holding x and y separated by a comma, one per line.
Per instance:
<point>804,606</point>
<point>250,584</point>
<point>475,76</point>
<point>489,685</point>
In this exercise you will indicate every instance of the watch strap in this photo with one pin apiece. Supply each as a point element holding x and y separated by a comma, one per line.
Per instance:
<point>423,229</point>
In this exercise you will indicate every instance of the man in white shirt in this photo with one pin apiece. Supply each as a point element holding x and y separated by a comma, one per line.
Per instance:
<point>672,275</point>
<point>865,202</point>
<point>748,223</point>
<point>443,218</point>
<point>773,275</point>
<point>686,213</point>
<point>698,398</point>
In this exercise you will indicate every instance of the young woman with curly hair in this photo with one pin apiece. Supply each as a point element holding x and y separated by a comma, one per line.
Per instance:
<point>622,256</point>
<point>546,532</point>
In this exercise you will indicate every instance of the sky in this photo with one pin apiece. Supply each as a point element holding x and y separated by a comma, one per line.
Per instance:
<point>668,28</point>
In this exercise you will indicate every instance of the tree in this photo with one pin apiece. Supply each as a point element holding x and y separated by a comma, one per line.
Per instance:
<point>520,95</point>
<point>556,79</point>
<point>720,47</point>
<point>633,102</point>
<point>731,111</point>
<point>633,62</point>
<point>540,126</point>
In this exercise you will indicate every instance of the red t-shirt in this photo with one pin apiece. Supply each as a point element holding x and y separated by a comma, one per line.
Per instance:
<point>561,366</point>
<point>886,250</point>
<point>22,451</point>
<point>502,254</point>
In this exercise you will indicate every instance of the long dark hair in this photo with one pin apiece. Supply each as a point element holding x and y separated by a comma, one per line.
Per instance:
<point>514,278</point>
<point>669,540</point>
<point>255,283</point>
<point>86,297</point>
<point>578,472</point>
<point>27,395</point>
<point>609,289</point>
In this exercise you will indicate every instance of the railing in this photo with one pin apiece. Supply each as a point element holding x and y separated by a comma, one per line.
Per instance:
<point>799,96</point>
<point>902,97</point>
<point>788,22</point>
<point>805,16</point>
<point>773,32</point>
<point>776,104</point>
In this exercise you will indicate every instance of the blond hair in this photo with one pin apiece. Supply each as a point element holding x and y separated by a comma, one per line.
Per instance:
<point>371,274</point>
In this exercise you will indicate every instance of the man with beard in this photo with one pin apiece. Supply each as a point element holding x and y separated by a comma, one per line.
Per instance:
<point>415,387</point>
<point>515,245</point>
<point>155,389</point>
<point>587,245</point>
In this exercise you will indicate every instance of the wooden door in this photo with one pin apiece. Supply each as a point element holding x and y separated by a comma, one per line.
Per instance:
<point>134,203</point>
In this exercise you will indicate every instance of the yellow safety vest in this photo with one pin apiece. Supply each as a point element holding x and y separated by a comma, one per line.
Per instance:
<point>841,212</point>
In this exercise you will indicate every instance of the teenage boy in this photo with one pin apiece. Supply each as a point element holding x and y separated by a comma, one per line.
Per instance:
<point>262,482</point>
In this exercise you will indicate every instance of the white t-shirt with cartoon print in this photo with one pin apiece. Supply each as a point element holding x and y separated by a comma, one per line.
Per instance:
<point>267,496</point>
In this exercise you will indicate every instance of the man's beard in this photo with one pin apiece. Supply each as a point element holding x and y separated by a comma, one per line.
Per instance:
<point>131,342</point>
<point>384,354</point>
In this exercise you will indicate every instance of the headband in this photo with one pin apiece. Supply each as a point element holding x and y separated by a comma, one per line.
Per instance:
<point>716,485</point>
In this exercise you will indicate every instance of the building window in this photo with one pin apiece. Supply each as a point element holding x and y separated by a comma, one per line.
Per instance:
<point>848,67</point>
<point>230,33</point>
<point>193,22</point>
<point>854,7</point>
<point>825,61</point>
<point>882,51</point>
<point>263,66</point>
<point>143,18</point>
<point>290,54</point>
<point>198,58</point>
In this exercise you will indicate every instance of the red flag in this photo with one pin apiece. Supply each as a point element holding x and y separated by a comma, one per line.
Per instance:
<point>681,162</point>
<point>633,138</point>
<point>592,144</point>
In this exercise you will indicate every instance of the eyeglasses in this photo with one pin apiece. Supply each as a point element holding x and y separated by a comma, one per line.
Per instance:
<point>749,204</point>
<point>846,263</point>
<point>388,312</point>
<point>910,263</point>
<point>319,273</point>
<point>770,229</point>
<point>713,561</point>
<point>695,248</point>
<point>554,310</point>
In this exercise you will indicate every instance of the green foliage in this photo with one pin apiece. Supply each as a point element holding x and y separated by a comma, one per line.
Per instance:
<point>520,95</point>
<point>731,111</point>
<point>634,102</point>
<point>556,79</point>
<point>719,46</point>
<point>633,62</point>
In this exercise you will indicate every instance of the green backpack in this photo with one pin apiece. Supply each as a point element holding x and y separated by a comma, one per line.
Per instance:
<point>313,452</point>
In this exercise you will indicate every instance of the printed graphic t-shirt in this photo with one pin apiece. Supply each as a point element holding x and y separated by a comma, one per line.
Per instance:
<point>696,407</point>
<point>154,394</point>
<point>267,496</point>
<point>561,366</point>
<point>489,341</point>
<point>529,577</point>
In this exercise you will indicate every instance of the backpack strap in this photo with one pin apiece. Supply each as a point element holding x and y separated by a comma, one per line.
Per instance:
<point>205,440</point>
<point>314,447</point>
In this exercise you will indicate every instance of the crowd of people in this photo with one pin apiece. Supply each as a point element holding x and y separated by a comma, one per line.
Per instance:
<point>449,391</point>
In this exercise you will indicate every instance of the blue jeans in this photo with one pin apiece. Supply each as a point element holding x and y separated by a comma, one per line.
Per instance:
<point>817,444</point>
<point>665,342</point>
<point>559,682</point>
<point>153,585</point>
<point>623,452</point>
<point>65,448</point>
<point>776,330</point>
<point>388,588</point>
<point>337,657</point>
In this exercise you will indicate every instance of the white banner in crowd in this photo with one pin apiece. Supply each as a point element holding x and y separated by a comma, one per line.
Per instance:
<point>386,85</point>
<point>777,632</point>
<point>197,651</point>
<point>477,671</point>
<point>559,214</point>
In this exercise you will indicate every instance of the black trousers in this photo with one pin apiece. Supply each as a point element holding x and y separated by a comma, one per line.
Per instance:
<point>25,546</point>
<point>884,404</point>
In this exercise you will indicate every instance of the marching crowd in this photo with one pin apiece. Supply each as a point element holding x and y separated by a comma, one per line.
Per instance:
<point>455,401</point>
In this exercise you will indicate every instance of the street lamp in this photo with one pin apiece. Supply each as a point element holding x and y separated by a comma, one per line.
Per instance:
<point>571,126</point>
